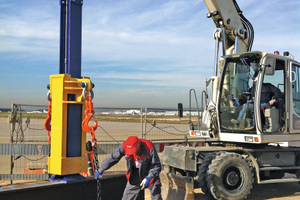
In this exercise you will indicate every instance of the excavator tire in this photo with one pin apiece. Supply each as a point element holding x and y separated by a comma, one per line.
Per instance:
<point>202,172</point>
<point>229,177</point>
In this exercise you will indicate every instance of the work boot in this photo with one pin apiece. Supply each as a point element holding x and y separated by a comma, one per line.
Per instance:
<point>242,124</point>
<point>235,123</point>
<point>248,122</point>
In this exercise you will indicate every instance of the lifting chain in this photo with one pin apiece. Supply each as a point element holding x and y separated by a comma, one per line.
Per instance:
<point>96,165</point>
<point>89,114</point>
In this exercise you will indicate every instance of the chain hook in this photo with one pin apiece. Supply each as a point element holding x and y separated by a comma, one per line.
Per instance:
<point>89,113</point>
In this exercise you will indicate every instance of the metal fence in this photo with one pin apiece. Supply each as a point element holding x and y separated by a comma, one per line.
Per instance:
<point>163,126</point>
<point>23,139</point>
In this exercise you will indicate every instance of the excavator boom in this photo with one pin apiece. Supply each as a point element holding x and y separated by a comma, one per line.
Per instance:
<point>227,15</point>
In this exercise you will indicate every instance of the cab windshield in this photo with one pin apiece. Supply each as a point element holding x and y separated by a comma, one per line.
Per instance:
<point>235,94</point>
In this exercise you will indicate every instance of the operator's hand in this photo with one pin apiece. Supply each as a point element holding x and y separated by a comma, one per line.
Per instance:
<point>145,183</point>
<point>271,102</point>
<point>98,175</point>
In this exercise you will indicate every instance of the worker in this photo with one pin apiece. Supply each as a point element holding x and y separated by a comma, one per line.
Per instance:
<point>269,95</point>
<point>143,167</point>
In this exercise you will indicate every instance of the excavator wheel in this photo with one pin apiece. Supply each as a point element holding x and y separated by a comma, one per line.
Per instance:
<point>202,172</point>
<point>229,177</point>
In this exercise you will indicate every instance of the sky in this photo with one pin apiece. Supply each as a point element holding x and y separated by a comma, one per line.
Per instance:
<point>138,53</point>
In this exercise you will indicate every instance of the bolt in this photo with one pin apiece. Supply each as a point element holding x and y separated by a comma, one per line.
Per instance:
<point>228,21</point>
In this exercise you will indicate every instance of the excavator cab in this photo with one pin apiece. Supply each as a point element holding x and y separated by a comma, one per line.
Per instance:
<point>237,98</point>
<point>255,100</point>
<point>248,83</point>
<point>245,78</point>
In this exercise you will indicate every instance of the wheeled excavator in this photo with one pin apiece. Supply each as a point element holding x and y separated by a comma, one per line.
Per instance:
<point>245,142</point>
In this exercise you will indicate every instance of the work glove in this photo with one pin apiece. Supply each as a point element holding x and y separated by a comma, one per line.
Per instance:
<point>98,175</point>
<point>145,183</point>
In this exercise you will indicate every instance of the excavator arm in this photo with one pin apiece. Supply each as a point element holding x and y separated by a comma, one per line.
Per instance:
<point>237,33</point>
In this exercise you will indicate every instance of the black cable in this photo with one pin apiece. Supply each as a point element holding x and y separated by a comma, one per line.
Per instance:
<point>149,130</point>
<point>37,129</point>
<point>167,131</point>
<point>247,25</point>
<point>31,159</point>
<point>109,135</point>
<point>168,127</point>
<point>250,31</point>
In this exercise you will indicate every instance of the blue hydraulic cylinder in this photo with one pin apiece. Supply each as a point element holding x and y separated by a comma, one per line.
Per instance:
<point>70,37</point>
<point>70,63</point>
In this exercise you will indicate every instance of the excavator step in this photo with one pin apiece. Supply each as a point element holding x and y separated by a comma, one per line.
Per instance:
<point>279,168</point>
<point>283,180</point>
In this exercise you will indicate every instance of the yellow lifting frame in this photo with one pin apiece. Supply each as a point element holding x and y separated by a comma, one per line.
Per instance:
<point>60,86</point>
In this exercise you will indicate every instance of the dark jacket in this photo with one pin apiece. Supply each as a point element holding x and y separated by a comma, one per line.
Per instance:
<point>150,163</point>
<point>267,92</point>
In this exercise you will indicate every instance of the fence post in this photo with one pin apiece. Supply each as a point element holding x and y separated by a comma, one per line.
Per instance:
<point>144,135</point>
<point>12,126</point>
<point>142,122</point>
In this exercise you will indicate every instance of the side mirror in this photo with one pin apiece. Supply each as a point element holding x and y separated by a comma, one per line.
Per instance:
<point>270,66</point>
<point>180,110</point>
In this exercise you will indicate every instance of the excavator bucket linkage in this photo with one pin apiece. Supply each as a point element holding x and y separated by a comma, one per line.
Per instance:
<point>176,187</point>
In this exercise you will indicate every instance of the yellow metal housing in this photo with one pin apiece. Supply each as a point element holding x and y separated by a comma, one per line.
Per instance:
<point>61,86</point>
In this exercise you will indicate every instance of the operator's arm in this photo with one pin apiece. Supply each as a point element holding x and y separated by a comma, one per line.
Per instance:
<point>277,95</point>
<point>112,159</point>
<point>155,167</point>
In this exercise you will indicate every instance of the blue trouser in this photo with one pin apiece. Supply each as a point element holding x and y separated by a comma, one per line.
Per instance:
<point>250,107</point>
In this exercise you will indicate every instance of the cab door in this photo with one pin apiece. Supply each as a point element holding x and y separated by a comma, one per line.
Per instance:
<point>294,114</point>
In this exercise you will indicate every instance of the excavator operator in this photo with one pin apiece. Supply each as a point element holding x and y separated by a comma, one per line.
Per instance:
<point>269,95</point>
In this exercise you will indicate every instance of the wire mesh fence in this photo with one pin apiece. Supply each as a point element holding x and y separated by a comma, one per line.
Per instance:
<point>23,143</point>
<point>163,125</point>
<point>24,140</point>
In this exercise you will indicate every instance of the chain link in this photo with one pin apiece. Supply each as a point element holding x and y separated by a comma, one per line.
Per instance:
<point>96,164</point>
<point>89,113</point>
